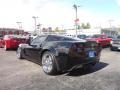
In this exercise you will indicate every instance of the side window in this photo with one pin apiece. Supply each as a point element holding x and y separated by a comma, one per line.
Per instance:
<point>54,38</point>
<point>68,39</point>
<point>38,40</point>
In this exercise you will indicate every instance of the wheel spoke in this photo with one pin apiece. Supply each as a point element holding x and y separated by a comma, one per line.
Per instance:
<point>47,63</point>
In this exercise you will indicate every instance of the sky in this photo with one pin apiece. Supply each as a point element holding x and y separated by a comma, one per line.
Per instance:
<point>59,13</point>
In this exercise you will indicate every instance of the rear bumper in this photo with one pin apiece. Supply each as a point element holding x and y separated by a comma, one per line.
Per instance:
<point>83,64</point>
<point>65,63</point>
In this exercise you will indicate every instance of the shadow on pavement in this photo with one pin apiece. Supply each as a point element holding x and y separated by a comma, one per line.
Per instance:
<point>80,72</point>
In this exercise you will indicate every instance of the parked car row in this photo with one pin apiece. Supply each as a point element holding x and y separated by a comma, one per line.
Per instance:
<point>60,53</point>
<point>101,39</point>
<point>104,40</point>
<point>11,41</point>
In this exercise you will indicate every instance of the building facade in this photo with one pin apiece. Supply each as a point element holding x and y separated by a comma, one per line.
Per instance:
<point>6,31</point>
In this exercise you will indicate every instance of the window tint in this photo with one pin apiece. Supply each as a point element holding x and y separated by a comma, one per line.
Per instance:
<point>99,36</point>
<point>81,36</point>
<point>103,36</point>
<point>54,38</point>
<point>59,38</point>
<point>68,39</point>
<point>38,40</point>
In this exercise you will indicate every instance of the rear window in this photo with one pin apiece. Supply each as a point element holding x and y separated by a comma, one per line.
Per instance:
<point>60,38</point>
<point>99,36</point>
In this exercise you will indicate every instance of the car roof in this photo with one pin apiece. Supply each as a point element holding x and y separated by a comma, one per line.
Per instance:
<point>75,39</point>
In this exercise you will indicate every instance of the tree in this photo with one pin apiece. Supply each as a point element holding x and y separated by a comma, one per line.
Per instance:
<point>88,26</point>
<point>56,29</point>
<point>78,27</point>
<point>85,26</point>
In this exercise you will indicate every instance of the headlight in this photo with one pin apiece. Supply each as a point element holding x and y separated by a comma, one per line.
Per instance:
<point>111,42</point>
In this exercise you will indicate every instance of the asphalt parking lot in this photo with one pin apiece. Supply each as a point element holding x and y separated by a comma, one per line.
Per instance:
<point>18,74</point>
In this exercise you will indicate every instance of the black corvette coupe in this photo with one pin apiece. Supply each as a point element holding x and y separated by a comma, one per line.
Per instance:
<point>60,53</point>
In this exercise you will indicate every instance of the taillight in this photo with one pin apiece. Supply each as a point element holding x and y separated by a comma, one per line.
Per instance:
<point>77,47</point>
<point>80,46</point>
<point>74,47</point>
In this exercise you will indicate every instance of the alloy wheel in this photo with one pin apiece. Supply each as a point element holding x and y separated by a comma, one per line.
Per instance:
<point>47,63</point>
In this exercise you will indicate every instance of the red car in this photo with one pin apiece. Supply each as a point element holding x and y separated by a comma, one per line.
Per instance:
<point>11,41</point>
<point>101,39</point>
<point>1,42</point>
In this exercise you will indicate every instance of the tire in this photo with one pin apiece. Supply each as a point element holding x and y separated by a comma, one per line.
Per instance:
<point>19,53</point>
<point>112,49</point>
<point>48,63</point>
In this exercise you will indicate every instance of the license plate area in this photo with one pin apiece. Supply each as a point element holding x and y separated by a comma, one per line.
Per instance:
<point>91,54</point>
<point>119,48</point>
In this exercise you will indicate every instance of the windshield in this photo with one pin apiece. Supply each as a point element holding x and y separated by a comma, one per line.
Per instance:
<point>82,36</point>
<point>59,38</point>
<point>95,36</point>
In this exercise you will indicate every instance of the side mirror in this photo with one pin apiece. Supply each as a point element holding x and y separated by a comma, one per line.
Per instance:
<point>28,41</point>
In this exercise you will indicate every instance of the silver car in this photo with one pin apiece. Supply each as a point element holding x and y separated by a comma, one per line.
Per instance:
<point>115,44</point>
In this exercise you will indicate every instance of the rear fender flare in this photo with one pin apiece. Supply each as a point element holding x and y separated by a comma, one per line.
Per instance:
<point>53,51</point>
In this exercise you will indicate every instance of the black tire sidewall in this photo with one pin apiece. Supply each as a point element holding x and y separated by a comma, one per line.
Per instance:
<point>20,53</point>
<point>53,71</point>
<point>112,49</point>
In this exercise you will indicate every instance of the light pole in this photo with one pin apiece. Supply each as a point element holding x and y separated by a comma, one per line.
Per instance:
<point>76,17</point>
<point>110,22</point>
<point>39,28</point>
<point>35,19</point>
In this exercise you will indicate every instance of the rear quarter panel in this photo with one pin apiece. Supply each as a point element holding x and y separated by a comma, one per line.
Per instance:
<point>61,51</point>
<point>57,47</point>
